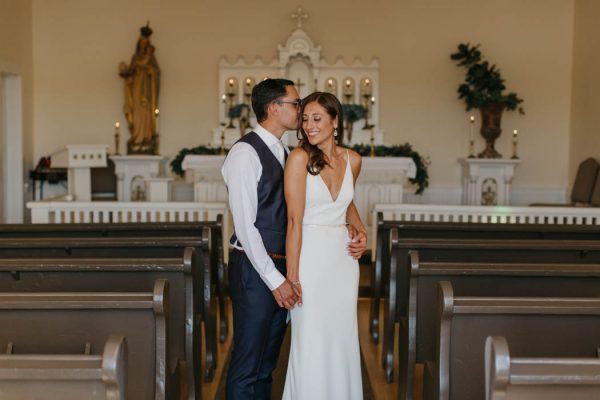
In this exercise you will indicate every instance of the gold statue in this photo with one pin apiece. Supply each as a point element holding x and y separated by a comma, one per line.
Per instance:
<point>142,80</point>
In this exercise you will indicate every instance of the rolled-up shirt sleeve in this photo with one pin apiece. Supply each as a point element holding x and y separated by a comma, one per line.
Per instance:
<point>241,172</point>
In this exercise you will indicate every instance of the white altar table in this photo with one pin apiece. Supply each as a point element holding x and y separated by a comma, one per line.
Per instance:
<point>381,181</point>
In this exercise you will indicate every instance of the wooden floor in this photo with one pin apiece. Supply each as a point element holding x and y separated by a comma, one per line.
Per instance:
<point>371,353</point>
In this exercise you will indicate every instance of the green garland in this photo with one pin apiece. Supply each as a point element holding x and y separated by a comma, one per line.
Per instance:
<point>421,179</point>
<point>199,150</point>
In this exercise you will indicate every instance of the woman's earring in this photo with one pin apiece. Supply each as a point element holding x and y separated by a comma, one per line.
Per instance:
<point>335,132</point>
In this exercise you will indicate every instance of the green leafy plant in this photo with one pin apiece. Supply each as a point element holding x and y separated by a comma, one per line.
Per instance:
<point>236,111</point>
<point>421,179</point>
<point>483,85</point>
<point>353,112</point>
<point>178,160</point>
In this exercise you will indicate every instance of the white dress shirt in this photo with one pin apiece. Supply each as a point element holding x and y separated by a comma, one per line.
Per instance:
<point>242,171</point>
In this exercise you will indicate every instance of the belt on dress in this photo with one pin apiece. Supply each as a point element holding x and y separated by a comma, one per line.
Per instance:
<point>274,256</point>
<point>324,225</point>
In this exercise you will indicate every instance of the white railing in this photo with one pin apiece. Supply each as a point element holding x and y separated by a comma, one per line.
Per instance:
<point>64,212</point>
<point>484,214</point>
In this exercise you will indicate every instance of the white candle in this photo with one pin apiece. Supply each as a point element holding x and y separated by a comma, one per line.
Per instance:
<point>117,125</point>
<point>515,136</point>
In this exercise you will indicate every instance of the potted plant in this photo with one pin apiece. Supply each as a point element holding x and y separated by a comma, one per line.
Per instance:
<point>484,89</point>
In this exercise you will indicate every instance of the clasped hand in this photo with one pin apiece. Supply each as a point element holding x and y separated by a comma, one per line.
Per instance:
<point>288,295</point>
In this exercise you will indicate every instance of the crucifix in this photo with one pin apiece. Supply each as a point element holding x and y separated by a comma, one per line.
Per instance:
<point>299,15</point>
<point>299,84</point>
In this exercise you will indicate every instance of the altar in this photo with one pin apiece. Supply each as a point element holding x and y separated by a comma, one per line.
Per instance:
<point>381,181</point>
<point>356,84</point>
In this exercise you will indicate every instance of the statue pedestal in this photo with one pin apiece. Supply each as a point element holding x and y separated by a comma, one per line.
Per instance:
<point>78,159</point>
<point>132,169</point>
<point>486,181</point>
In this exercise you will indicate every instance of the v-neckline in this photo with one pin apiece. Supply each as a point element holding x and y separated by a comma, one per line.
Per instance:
<point>341,185</point>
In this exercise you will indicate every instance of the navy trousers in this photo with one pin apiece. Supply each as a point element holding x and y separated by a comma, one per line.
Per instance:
<point>258,329</point>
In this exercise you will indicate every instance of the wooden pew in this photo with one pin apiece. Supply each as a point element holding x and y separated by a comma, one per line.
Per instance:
<point>468,250</point>
<point>124,275</point>
<point>66,376</point>
<point>509,378</point>
<point>145,229</point>
<point>133,248</point>
<point>69,322</point>
<point>417,339</point>
<point>540,327</point>
<point>450,230</point>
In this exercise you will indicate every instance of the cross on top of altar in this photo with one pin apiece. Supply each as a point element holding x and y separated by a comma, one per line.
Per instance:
<point>299,15</point>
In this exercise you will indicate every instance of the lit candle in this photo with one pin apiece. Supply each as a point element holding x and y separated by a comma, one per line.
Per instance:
<point>223,98</point>
<point>231,83</point>
<point>248,81</point>
<point>348,83</point>
<point>472,119</point>
<point>367,82</point>
<point>117,125</point>
<point>515,136</point>
<point>156,119</point>
<point>372,99</point>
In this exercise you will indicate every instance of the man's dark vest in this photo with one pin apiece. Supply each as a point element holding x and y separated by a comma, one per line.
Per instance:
<point>271,215</point>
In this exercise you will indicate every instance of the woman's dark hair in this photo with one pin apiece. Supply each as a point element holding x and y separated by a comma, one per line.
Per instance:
<point>316,158</point>
<point>266,92</point>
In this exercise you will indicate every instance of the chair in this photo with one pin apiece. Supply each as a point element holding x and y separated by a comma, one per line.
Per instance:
<point>585,180</point>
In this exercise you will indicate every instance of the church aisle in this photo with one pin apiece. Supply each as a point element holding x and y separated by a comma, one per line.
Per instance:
<point>370,351</point>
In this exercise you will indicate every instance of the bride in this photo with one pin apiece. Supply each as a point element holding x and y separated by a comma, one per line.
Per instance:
<point>319,183</point>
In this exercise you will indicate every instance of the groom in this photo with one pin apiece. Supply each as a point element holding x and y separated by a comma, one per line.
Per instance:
<point>260,293</point>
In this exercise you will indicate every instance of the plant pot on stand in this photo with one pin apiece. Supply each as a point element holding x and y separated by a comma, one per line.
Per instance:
<point>491,116</point>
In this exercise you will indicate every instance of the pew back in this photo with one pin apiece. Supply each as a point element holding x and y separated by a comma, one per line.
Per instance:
<point>541,327</point>
<point>67,323</point>
<point>123,275</point>
<point>509,378</point>
<point>66,376</point>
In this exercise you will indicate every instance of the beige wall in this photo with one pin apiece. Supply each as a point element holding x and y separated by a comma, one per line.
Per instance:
<point>16,59</point>
<point>79,43</point>
<point>585,137</point>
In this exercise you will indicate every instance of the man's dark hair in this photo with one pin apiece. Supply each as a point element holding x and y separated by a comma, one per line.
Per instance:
<point>266,92</point>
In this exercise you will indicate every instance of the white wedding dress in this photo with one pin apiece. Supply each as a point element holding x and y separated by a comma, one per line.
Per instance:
<point>324,361</point>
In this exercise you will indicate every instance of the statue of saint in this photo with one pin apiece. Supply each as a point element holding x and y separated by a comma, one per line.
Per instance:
<point>142,79</point>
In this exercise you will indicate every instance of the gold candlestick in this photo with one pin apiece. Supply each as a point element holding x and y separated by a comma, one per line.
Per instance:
<point>222,149</point>
<point>514,146</point>
<point>471,148</point>
<point>372,140</point>
<point>471,138</point>
<point>117,138</point>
